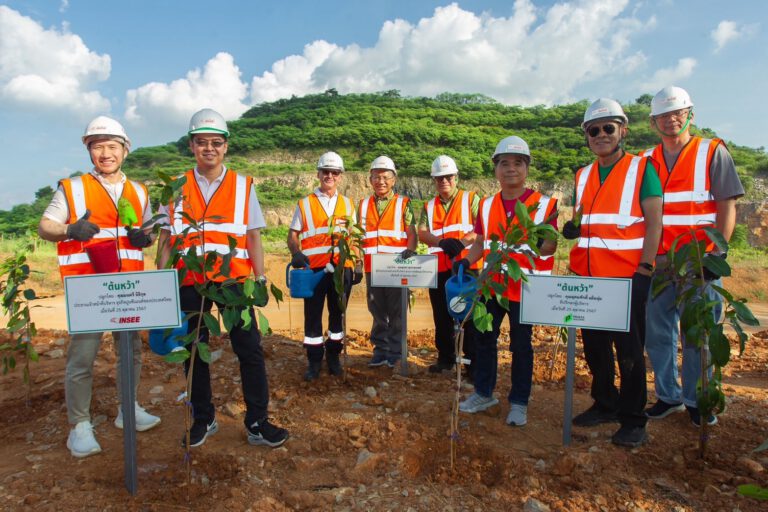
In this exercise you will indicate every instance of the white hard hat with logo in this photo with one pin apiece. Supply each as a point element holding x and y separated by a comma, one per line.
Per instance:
<point>513,145</point>
<point>604,108</point>
<point>330,160</point>
<point>104,126</point>
<point>383,163</point>
<point>443,166</point>
<point>208,121</point>
<point>670,99</point>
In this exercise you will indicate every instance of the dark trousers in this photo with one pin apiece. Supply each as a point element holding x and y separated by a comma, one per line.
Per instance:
<point>247,346</point>
<point>485,366</point>
<point>325,292</point>
<point>630,399</point>
<point>385,305</point>
<point>444,326</point>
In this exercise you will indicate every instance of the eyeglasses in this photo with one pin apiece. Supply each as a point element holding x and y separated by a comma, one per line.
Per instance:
<point>382,178</point>
<point>204,143</point>
<point>329,172</point>
<point>683,112</point>
<point>594,131</point>
<point>445,178</point>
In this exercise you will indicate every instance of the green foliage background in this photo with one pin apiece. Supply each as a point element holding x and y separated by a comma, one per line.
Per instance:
<point>413,131</point>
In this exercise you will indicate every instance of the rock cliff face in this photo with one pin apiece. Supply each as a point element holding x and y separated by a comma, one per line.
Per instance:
<point>753,214</point>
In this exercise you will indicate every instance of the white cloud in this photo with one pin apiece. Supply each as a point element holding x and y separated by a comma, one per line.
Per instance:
<point>50,68</point>
<point>64,5</point>
<point>533,56</point>
<point>728,31</point>
<point>669,76</point>
<point>158,105</point>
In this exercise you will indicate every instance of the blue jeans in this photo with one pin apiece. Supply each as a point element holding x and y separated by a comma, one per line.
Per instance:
<point>661,335</point>
<point>485,365</point>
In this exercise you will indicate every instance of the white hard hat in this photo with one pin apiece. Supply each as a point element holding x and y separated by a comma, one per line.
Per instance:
<point>330,160</point>
<point>670,99</point>
<point>104,126</point>
<point>443,166</point>
<point>208,121</point>
<point>512,145</point>
<point>385,163</point>
<point>602,109</point>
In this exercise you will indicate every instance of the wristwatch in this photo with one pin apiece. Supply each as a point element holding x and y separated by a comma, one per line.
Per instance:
<point>647,266</point>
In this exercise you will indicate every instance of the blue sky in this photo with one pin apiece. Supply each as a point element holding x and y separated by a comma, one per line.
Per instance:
<point>151,64</point>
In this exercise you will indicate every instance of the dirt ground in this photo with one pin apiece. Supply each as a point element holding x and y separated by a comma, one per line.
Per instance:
<point>375,440</point>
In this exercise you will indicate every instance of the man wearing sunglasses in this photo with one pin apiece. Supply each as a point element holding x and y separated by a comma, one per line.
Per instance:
<point>446,225</point>
<point>388,226</point>
<point>618,198</point>
<point>700,190</point>
<point>310,241</point>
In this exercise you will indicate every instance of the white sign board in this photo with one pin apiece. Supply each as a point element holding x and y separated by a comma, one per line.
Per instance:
<point>389,271</point>
<point>122,301</point>
<point>573,301</point>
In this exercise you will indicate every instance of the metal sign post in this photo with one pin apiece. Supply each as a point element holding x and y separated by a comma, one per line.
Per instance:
<point>390,271</point>
<point>124,302</point>
<point>573,301</point>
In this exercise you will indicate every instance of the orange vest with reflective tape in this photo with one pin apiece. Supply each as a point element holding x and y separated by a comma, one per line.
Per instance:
<point>495,222</point>
<point>457,222</point>
<point>386,233</point>
<point>87,193</point>
<point>612,222</point>
<point>688,201</point>
<point>315,236</point>
<point>223,219</point>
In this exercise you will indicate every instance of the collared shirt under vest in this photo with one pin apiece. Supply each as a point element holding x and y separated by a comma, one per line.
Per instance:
<point>223,218</point>
<point>494,219</point>
<point>688,201</point>
<point>315,235</point>
<point>457,222</point>
<point>87,193</point>
<point>385,233</point>
<point>612,222</point>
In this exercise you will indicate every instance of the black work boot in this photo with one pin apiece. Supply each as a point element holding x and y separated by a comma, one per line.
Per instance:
<point>313,371</point>
<point>334,364</point>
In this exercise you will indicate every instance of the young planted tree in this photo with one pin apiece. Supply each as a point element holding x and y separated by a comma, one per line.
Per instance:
<point>690,269</point>
<point>500,271</point>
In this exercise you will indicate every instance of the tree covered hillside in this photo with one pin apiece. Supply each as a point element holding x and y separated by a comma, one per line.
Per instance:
<point>287,136</point>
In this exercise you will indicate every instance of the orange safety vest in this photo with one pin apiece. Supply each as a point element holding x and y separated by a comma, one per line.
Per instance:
<point>612,222</point>
<point>494,218</point>
<point>315,236</point>
<point>385,234</point>
<point>457,222</point>
<point>224,217</point>
<point>87,193</point>
<point>688,201</point>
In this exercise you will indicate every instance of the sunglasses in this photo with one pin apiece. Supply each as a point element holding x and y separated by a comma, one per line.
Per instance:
<point>328,172</point>
<point>608,129</point>
<point>445,178</point>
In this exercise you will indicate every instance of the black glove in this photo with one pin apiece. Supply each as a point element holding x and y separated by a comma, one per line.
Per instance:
<point>407,254</point>
<point>540,243</point>
<point>708,274</point>
<point>358,275</point>
<point>463,262</point>
<point>452,247</point>
<point>571,231</point>
<point>641,286</point>
<point>262,283</point>
<point>82,230</point>
<point>139,238</point>
<point>299,260</point>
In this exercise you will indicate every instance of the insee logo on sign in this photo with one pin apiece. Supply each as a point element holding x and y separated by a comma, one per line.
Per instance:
<point>125,320</point>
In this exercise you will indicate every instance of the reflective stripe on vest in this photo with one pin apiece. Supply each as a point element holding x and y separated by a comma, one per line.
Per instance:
<point>456,223</point>
<point>315,237</point>
<point>388,234</point>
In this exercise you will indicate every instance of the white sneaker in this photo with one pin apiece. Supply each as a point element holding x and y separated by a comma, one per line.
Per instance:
<point>81,441</point>
<point>144,420</point>
<point>476,403</point>
<point>518,415</point>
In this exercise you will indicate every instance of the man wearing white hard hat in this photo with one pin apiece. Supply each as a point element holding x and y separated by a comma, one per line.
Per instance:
<point>511,160</point>
<point>92,238</point>
<point>700,186</point>
<point>446,225</point>
<point>388,223</point>
<point>618,200</point>
<point>225,203</point>
<point>313,245</point>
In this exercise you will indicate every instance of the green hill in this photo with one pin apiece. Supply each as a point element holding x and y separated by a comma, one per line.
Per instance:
<point>287,136</point>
